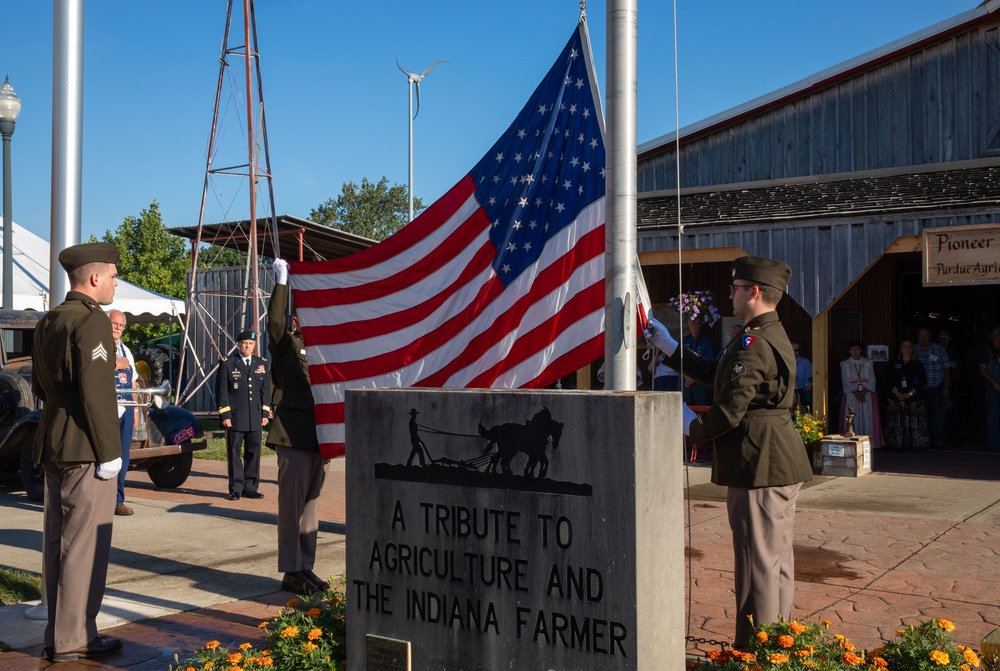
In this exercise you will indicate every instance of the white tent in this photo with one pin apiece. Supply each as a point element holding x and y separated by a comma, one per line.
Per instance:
<point>31,284</point>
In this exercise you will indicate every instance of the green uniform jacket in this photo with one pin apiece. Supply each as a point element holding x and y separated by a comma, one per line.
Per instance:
<point>73,372</point>
<point>756,444</point>
<point>294,424</point>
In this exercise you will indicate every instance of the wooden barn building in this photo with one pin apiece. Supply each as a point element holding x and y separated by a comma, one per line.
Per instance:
<point>877,181</point>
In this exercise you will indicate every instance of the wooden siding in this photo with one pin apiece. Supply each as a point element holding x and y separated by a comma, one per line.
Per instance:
<point>826,257</point>
<point>938,104</point>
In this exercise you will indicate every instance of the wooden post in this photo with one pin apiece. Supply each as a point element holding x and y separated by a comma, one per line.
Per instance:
<point>820,357</point>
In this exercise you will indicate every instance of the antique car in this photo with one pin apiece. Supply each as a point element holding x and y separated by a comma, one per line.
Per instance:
<point>163,443</point>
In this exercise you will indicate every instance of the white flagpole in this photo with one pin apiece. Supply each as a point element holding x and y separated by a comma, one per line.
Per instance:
<point>620,281</point>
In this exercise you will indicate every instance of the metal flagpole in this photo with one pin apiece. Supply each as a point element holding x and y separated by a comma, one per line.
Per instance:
<point>620,271</point>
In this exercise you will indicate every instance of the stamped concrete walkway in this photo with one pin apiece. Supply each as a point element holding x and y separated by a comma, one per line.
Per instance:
<point>873,553</point>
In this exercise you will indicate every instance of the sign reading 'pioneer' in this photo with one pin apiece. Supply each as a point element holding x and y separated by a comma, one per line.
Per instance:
<point>514,529</point>
<point>962,255</point>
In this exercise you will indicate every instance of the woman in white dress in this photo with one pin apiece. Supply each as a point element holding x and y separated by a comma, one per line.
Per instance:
<point>858,376</point>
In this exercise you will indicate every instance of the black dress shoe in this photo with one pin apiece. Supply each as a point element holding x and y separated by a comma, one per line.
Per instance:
<point>298,583</point>
<point>235,496</point>
<point>316,580</point>
<point>101,646</point>
<point>252,495</point>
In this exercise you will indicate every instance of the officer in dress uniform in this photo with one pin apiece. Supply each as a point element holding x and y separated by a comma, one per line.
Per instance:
<point>79,447</point>
<point>757,454</point>
<point>301,467</point>
<point>242,389</point>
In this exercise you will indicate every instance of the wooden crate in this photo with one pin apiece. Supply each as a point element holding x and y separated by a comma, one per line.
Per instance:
<point>848,457</point>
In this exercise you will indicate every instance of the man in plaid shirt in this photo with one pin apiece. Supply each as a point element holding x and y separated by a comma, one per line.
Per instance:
<point>937,365</point>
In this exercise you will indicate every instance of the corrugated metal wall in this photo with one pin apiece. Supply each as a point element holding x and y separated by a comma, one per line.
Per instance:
<point>939,104</point>
<point>828,255</point>
<point>222,313</point>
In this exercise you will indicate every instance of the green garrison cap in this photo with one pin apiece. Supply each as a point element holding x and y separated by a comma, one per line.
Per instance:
<point>761,270</point>
<point>73,257</point>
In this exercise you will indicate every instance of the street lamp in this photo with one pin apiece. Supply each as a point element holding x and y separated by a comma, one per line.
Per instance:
<point>10,107</point>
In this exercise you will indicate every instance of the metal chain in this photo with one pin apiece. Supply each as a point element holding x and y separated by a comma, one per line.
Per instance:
<point>709,641</point>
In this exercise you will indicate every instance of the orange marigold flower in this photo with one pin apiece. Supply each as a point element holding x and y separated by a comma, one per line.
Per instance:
<point>190,668</point>
<point>796,628</point>
<point>208,666</point>
<point>265,653</point>
<point>965,667</point>
<point>292,602</point>
<point>235,657</point>
<point>939,657</point>
<point>839,637</point>
<point>786,641</point>
<point>762,637</point>
<point>804,652</point>
<point>778,658</point>
<point>809,665</point>
<point>234,668</point>
<point>313,612</point>
<point>826,623</point>
<point>878,661</point>
<point>266,661</point>
<point>308,647</point>
<point>212,645</point>
<point>720,656</point>
<point>851,658</point>
<point>900,632</point>
<point>289,632</point>
<point>263,625</point>
<point>947,625</point>
<point>849,646</point>
<point>970,655</point>
<point>745,656</point>
<point>314,634</point>
<point>245,646</point>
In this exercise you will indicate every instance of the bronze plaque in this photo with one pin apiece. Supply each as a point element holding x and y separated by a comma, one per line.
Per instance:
<point>386,654</point>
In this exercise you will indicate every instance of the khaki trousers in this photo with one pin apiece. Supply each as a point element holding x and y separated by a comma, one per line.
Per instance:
<point>301,476</point>
<point>79,510</point>
<point>762,520</point>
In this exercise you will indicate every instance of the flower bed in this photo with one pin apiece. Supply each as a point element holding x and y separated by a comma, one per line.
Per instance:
<point>804,646</point>
<point>696,305</point>
<point>307,635</point>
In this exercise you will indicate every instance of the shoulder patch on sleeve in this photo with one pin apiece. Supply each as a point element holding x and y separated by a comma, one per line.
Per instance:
<point>748,340</point>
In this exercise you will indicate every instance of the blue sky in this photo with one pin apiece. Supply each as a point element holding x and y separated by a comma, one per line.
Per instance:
<point>336,104</point>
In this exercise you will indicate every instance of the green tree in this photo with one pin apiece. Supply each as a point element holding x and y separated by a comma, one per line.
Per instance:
<point>151,258</point>
<point>373,211</point>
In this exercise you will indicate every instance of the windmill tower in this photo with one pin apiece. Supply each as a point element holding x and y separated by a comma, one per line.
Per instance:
<point>237,190</point>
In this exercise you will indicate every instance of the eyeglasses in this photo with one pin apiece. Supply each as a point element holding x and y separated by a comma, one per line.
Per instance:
<point>733,288</point>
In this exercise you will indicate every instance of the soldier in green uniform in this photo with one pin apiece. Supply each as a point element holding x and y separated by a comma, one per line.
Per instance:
<point>79,447</point>
<point>757,454</point>
<point>301,467</point>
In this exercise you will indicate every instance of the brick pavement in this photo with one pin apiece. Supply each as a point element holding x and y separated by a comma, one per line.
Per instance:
<point>867,573</point>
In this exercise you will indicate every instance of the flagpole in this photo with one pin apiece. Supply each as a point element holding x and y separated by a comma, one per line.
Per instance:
<point>620,274</point>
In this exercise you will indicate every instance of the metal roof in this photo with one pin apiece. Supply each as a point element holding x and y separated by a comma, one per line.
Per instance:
<point>319,242</point>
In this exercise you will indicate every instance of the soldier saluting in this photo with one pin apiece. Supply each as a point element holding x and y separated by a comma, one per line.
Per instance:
<point>243,390</point>
<point>79,447</point>
<point>757,454</point>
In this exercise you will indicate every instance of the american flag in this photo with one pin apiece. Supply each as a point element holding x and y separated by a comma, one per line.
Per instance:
<point>500,283</point>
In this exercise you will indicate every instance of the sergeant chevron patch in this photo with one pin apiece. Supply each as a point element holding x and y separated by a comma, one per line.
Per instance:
<point>99,352</point>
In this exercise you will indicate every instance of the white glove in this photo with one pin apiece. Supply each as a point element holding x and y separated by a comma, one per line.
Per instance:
<point>109,469</point>
<point>658,334</point>
<point>688,417</point>
<point>280,271</point>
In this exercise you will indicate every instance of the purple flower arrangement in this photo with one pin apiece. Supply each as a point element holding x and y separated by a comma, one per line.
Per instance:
<point>696,305</point>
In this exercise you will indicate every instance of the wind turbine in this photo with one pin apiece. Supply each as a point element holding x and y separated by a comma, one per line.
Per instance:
<point>411,79</point>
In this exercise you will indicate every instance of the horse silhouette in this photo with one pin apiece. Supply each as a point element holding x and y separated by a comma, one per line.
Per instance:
<point>530,438</point>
